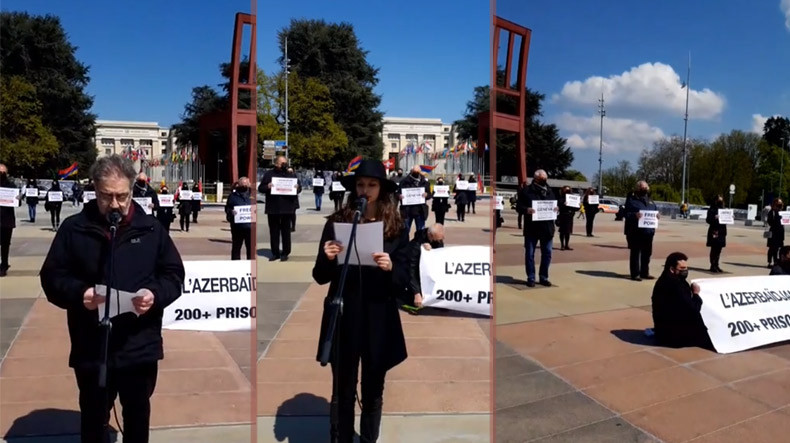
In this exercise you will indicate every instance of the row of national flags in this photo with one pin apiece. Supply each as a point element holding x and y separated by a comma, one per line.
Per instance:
<point>454,151</point>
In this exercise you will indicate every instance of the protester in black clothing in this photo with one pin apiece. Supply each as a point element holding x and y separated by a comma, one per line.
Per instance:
<point>783,267</point>
<point>241,233</point>
<point>369,329</point>
<point>590,211</point>
<point>143,190</point>
<point>414,213</point>
<point>429,238</point>
<point>7,223</point>
<point>541,231</point>
<point>318,191</point>
<point>520,209</point>
<point>461,200</point>
<point>471,194</point>
<point>279,210</point>
<point>565,219</point>
<point>184,207</point>
<point>296,201</point>
<point>196,203</point>
<point>440,205</point>
<point>640,240</point>
<point>76,194</point>
<point>336,196</point>
<point>165,213</point>
<point>777,232</point>
<point>676,307</point>
<point>146,262</point>
<point>32,202</point>
<point>53,207</point>
<point>717,234</point>
<point>90,186</point>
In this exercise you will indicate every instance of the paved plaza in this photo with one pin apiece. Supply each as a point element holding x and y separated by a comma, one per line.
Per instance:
<point>573,365</point>
<point>203,392</point>
<point>441,393</point>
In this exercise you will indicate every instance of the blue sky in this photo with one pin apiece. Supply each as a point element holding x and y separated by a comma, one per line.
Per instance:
<point>638,51</point>
<point>431,54</point>
<point>145,56</point>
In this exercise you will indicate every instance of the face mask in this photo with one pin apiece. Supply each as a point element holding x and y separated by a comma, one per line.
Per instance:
<point>683,274</point>
<point>242,189</point>
<point>4,176</point>
<point>140,182</point>
<point>415,174</point>
<point>436,244</point>
<point>720,203</point>
<point>642,192</point>
<point>440,182</point>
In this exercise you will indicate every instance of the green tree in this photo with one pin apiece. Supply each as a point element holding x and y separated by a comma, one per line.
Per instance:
<point>777,129</point>
<point>26,144</point>
<point>205,100</point>
<point>37,49</point>
<point>618,180</point>
<point>314,136</point>
<point>730,159</point>
<point>572,174</point>
<point>331,53</point>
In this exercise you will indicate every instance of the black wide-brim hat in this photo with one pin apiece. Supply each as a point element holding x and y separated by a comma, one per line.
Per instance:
<point>372,169</point>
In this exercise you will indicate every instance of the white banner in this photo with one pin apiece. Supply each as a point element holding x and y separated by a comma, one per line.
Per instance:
<point>412,196</point>
<point>649,219</point>
<point>441,191</point>
<point>55,196</point>
<point>544,210</point>
<point>457,278</point>
<point>318,182</point>
<point>243,214</point>
<point>166,200</point>
<point>284,186</point>
<point>745,312</point>
<point>593,199</point>
<point>216,296</point>
<point>500,203</point>
<point>726,216</point>
<point>573,200</point>
<point>8,197</point>
<point>31,192</point>
<point>338,187</point>
<point>42,193</point>
<point>751,212</point>
<point>184,194</point>
<point>146,203</point>
<point>461,185</point>
<point>88,196</point>
<point>785,217</point>
<point>197,196</point>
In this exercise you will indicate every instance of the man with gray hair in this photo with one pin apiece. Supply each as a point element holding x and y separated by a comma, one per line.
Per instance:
<point>537,230</point>
<point>428,238</point>
<point>241,233</point>
<point>640,240</point>
<point>145,262</point>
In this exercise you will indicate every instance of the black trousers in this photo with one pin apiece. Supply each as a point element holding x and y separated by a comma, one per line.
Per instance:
<point>590,220</point>
<point>184,221</point>
<point>715,255</point>
<point>471,206</point>
<point>641,249</point>
<point>773,254</point>
<point>194,215</point>
<point>461,211</point>
<point>440,217</point>
<point>565,238</point>
<point>280,229</point>
<point>238,236</point>
<point>134,385</point>
<point>520,219</point>
<point>5,246</point>
<point>293,222</point>
<point>342,403</point>
<point>338,203</point>
<point>54,215</point>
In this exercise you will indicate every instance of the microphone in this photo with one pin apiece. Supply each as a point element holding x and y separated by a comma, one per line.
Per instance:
<point>362,204</point>
<point>114,217</point>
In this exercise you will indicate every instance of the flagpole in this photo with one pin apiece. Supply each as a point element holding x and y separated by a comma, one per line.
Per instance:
<point>685,129</point>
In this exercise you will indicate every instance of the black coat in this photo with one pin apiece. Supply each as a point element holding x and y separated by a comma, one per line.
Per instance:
<point>184,206</point>
<point>197,204</point>
<point>461,196</point>
<point>279,204</point>
<point>371,322</point>
<point>414,210</point>
<point>237,199</point>
<point>676,313</point>
<point>717,232</point>
<point>588,208</point>
<point>565,217</point>
<point>164,213</point>
<point>48,205</point>
<point>145,257</point>
<point>536,229</point>
<point>440,204</point>
<point>472,193</point>
<point>7,215</point>
<point>633,205</point>
<point>319,190</point>
<point>147,192</point>
<point>777,230</point>
<point>32,201</point>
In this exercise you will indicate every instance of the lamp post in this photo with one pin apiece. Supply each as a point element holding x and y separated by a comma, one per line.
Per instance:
<point>782,169</point>
<point>601,111</point>
<point>685,128</point>
<point>286,67</point>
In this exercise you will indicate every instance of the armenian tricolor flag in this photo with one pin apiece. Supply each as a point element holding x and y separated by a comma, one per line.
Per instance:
<point>427,169</point>
<point>354,164</point>
<point>71,170</point>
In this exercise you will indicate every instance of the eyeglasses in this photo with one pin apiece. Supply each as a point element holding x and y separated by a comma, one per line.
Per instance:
<point>109,197</point>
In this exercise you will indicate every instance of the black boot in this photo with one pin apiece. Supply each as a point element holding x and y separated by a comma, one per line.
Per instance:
<point>370,424</point>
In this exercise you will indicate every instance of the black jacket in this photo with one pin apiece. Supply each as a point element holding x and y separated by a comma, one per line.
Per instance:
<point>32,201</point>
<point>279,204</point>
<point>461,196</point>
<point>777,230</point>
<point>780,270</point>
<point>717,232</point>
<point>145,257</point>
<point>7,215</point>
<point>565,216</point>
<point>197,204</point>
<point>319,190</point>
<point>371,322</point>
<point>676,313</point>
<point>543,229</point>
<point>147,192</point>
<point>632,207</point>
<point>237,199</point>
<point>184,206</point>
<point>411,182</point>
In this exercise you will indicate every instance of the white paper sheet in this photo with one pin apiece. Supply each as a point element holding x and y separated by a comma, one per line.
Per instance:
<point>441,191</point>
<point>572,200</point>
<point>88,196</point>
<point>500,203</point>
<point>461,185</point>
<point>544,210</point>
<point>243,214</point>
<point>593,199</point>
<point>284,186</point>
<point>412,196</point>
<point>120,303</point>
<point>726,217</point>
<point>649,219</point>
<point>318,182</point>
<point>31,192</point>
<point>785,220</point>
<point>145,202</point>
<point>55,196</point>
<point>369,240</point>
<point>166,200</point>
<point>8,197</point>
<point>338,187</point>
<point>185,195</point>
<point>197,196</point>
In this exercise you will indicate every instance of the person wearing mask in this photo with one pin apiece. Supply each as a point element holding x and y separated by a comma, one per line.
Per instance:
<point>398,176</point>
<point>32,202</point>
<point>279,209</point>
<point>429,238</point>
<point>369,329</point>
<point>461,200</point>
<point>165,214</point>
<point>676,307</point>
<point>143,190</point>
<point>336,196</point>
<point>640,240</point>
<point>296,201</point>
<point>776,232</point>
<point>196,204</point>
<point>76,196</point>
<point>537,231</point>
<point>241,233</point>
<point>565,219</point>
<point>7,222</point>
<point>318,191</point>
<point>590,211</point>
<point>783,267</point>
<point>414,213</point>
<point>440,205</point>
<point>520,209</point>
<point>54,206</point>
<point>147,263</point>
<point>184,209</point>
<point>717,234</point>
<point>472,194</point>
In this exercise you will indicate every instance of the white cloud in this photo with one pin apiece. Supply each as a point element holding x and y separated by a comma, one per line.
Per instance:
<point>758,121</point>
<point>650,88</point>
<point>619,134</point>
<point>785,7</point>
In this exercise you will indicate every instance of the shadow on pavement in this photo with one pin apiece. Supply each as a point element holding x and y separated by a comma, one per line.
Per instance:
<point>604,274</point>
<point>290,422</point>
<point>49,422</point>
<point>508,280</point>
<point>267,253</point>
<point>635,337</point>
<point>441,312</point>
<point>218,240</point>
<point>611,246</point>
<point>747,265</point>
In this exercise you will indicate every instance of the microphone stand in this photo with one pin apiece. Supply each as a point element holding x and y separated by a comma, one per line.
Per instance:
<point>331,343</point>
<point>106,324</point>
